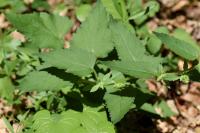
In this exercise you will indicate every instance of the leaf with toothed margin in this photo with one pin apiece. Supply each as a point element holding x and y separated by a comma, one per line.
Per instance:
<point>133,59</point>
<point>180,47</point>
<point>41,29</point>
<point>42,81</point>
<point>74,60</point>
<point>118,106</point>
<point>94,35</point>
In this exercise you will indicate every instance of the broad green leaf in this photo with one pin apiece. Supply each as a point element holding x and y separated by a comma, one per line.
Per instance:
<point>131,52</point>
<point>183,35</point>
<point>41,81</point>
<point>110,7</point>
<point>154,43</point>
<point>74,60</point>
<point>166,110</point>
<point>138,69</point>
<point>83,11</point>
<point>94,35</point>
<point>88,121</point>
<point>42,30</point>
<point>6,88</point>
<point>128,46</point>
<point>118,106</point>
<point>159,108</point>
<point>169,77</point>
<point>180,47</point>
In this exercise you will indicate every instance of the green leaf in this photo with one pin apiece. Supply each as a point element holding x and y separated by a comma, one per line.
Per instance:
<point>94,35</point>
<point>6,88</point>
<point>42,30</point>
<point>110,7</point>
<point>169,77</point>
<point>131,52</point>
<point>14,5</point>
<point>183,35</point>
<point>41,81</point>
<point>154,43</point>
<point>88,121</point>
<point>153,7</point>
<point>4,3</point>
<point>159,108</point>
<point>166,111</point>
<point>138,69</point>
<point>180,47</point>
<point>118,106</point>
<point>75,60</point>
<point>40,4</point>
<point>83,11</point>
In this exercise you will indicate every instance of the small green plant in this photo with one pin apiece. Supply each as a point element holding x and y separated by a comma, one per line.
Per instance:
<point>90,86</point>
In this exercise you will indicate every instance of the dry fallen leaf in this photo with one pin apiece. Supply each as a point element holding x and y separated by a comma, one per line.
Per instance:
<point>18,36</point>
<point>3,23</point>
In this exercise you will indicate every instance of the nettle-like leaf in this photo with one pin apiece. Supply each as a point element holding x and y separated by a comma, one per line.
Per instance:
<point>41,81</point>
<point>183,35</point>
<point>111,8</point>
<point>159,108</point>
<point>118,105</point>
<point>180,47</point>
<point>74,60</point>
<point>94,34</point>
<point>42,30</point>
<point>88,121</point>
<point>131,52</point>
<point>82,11</point>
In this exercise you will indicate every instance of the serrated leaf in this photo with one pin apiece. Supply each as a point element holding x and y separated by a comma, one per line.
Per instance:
<point>159,108</point>
<point>118,106</point>
<point>94,35</point>
<point>42,30</point>
<point>180,47</point>
<point>74,60</point>
<point>134,61</point>
<point>41,81</point>
<point>88,121</point>
<point>138,69</point>
<point>6,88</point>
<point>128,46</point>
<point>110,7</point>
<point>83,11</point>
